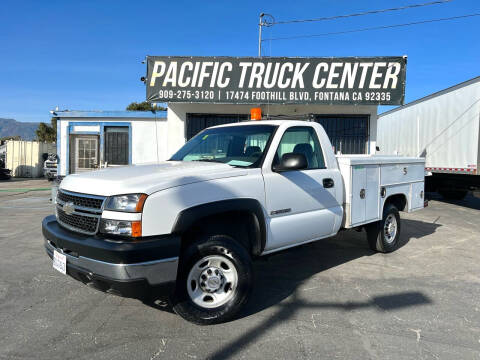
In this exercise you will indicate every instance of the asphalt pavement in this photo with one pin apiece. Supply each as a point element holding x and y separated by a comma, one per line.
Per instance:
<point>330,299</point>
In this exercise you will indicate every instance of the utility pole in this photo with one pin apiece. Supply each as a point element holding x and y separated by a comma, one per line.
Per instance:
<point>260,24</point>
<point>264,20</point>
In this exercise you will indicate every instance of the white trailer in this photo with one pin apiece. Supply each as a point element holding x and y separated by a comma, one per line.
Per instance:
<point>444,128</point>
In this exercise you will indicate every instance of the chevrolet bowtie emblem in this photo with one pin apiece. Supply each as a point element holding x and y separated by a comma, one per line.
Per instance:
<point>68,208</point>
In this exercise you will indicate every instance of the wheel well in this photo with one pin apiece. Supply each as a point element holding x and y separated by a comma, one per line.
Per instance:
<point>243,226</point>
<point>399,200</point>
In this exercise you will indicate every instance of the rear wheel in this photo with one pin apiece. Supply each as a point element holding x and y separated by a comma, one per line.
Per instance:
<point>384,235</point>
<point>215,278</point>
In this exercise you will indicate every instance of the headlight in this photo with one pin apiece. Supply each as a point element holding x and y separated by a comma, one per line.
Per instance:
<point>121,227</point>
<point>127,203</point>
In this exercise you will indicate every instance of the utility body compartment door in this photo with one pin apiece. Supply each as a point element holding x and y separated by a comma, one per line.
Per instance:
<point>365,195</point>
<point>417,197</point>
<point>372,196</point>
<point>392,174</point>
<point>357,202</point>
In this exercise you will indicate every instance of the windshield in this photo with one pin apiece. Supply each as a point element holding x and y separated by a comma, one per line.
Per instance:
<point>241,146</point>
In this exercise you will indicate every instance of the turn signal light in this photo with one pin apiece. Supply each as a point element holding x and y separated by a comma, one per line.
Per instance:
<point>136,228</point>
<point>141,202</point>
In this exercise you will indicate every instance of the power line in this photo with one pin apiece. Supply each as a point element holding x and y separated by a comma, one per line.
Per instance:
<point>359,14</point>
<point>372,28</point>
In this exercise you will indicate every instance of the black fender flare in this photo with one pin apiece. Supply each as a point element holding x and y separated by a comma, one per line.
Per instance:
<point>187,217</point>
<point>392,198</point>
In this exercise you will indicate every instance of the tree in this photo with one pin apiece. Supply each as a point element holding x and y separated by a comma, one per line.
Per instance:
<point>53,121</point>
<point>13,137</point>
<point>145,106</point>
<point>46,132</point>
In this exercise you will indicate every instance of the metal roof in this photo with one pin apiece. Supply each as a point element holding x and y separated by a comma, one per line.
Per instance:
<point>110,114</point>
<point>435,94</point>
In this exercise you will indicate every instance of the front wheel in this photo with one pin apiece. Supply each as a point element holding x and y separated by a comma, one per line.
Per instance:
<point>215,278</point>
<point>384,235</point>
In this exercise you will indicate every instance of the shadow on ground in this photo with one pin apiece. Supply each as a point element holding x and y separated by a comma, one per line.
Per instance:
<point>287,312</point>
<point>470,201</point>
<point>279,275</point>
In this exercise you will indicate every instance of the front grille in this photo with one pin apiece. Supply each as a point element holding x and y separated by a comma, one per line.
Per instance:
<point>81,223</point>
<point>86,201</point>
<point>87,210</point>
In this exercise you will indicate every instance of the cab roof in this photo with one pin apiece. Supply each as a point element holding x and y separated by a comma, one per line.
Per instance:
<point>265,122</point>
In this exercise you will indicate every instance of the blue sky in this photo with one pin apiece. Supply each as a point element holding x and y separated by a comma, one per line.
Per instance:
<point>86,55</point>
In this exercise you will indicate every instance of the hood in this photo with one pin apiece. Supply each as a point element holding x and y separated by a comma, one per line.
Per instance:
<point>147,178</point>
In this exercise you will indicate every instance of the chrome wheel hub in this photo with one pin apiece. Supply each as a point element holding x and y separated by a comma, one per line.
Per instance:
<point>390,228</point>
<point>212,281</point>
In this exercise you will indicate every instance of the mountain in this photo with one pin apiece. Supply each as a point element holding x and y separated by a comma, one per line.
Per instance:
<point>11,127</point>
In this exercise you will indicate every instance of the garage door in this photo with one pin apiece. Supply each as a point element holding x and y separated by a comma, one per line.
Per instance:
<point>198,122</point>
<point>347,133</point>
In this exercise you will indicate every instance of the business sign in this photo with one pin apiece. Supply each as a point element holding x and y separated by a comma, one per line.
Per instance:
<point>229,80</point>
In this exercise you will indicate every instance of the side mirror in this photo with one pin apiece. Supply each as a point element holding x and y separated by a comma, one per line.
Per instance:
<point>291,161</point>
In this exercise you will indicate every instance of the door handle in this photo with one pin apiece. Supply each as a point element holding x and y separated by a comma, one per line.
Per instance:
<point>328,183</point>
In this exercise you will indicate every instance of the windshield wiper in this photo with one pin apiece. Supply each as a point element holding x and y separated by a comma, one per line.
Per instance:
<point>221,162</point>
<point>209,160</point>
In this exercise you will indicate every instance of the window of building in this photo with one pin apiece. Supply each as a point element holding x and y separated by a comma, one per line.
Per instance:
<point>117,147</point>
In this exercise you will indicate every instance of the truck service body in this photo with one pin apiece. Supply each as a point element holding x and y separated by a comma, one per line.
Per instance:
<point>233,193</point>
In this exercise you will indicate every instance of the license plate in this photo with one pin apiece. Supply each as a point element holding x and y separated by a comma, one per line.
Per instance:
<point>59,262</point>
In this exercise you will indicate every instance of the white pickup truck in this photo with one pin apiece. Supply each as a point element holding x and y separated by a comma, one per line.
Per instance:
<point>231,194</point>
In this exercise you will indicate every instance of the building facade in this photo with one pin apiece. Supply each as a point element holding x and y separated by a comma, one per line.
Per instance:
<point>91,139</point>
<point>94,139</point>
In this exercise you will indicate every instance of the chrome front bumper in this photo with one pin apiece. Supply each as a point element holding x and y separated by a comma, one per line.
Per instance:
<point>154,272</point>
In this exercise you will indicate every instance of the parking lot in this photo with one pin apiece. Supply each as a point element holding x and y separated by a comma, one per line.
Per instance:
<point>330,299</point>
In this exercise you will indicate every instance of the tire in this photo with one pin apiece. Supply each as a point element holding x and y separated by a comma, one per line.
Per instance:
<point>453,194</point>
<point>379,234</point>
<point>214,280</point>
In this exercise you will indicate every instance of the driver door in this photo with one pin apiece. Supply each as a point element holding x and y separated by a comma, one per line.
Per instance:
<point>300,202</point>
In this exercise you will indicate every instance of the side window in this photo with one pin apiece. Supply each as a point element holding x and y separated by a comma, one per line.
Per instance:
<point>302,140</point>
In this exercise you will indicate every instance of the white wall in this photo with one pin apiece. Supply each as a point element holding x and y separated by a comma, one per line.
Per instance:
<point>177,115</point>
<point>62,143</point>
<point>148,135</point>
